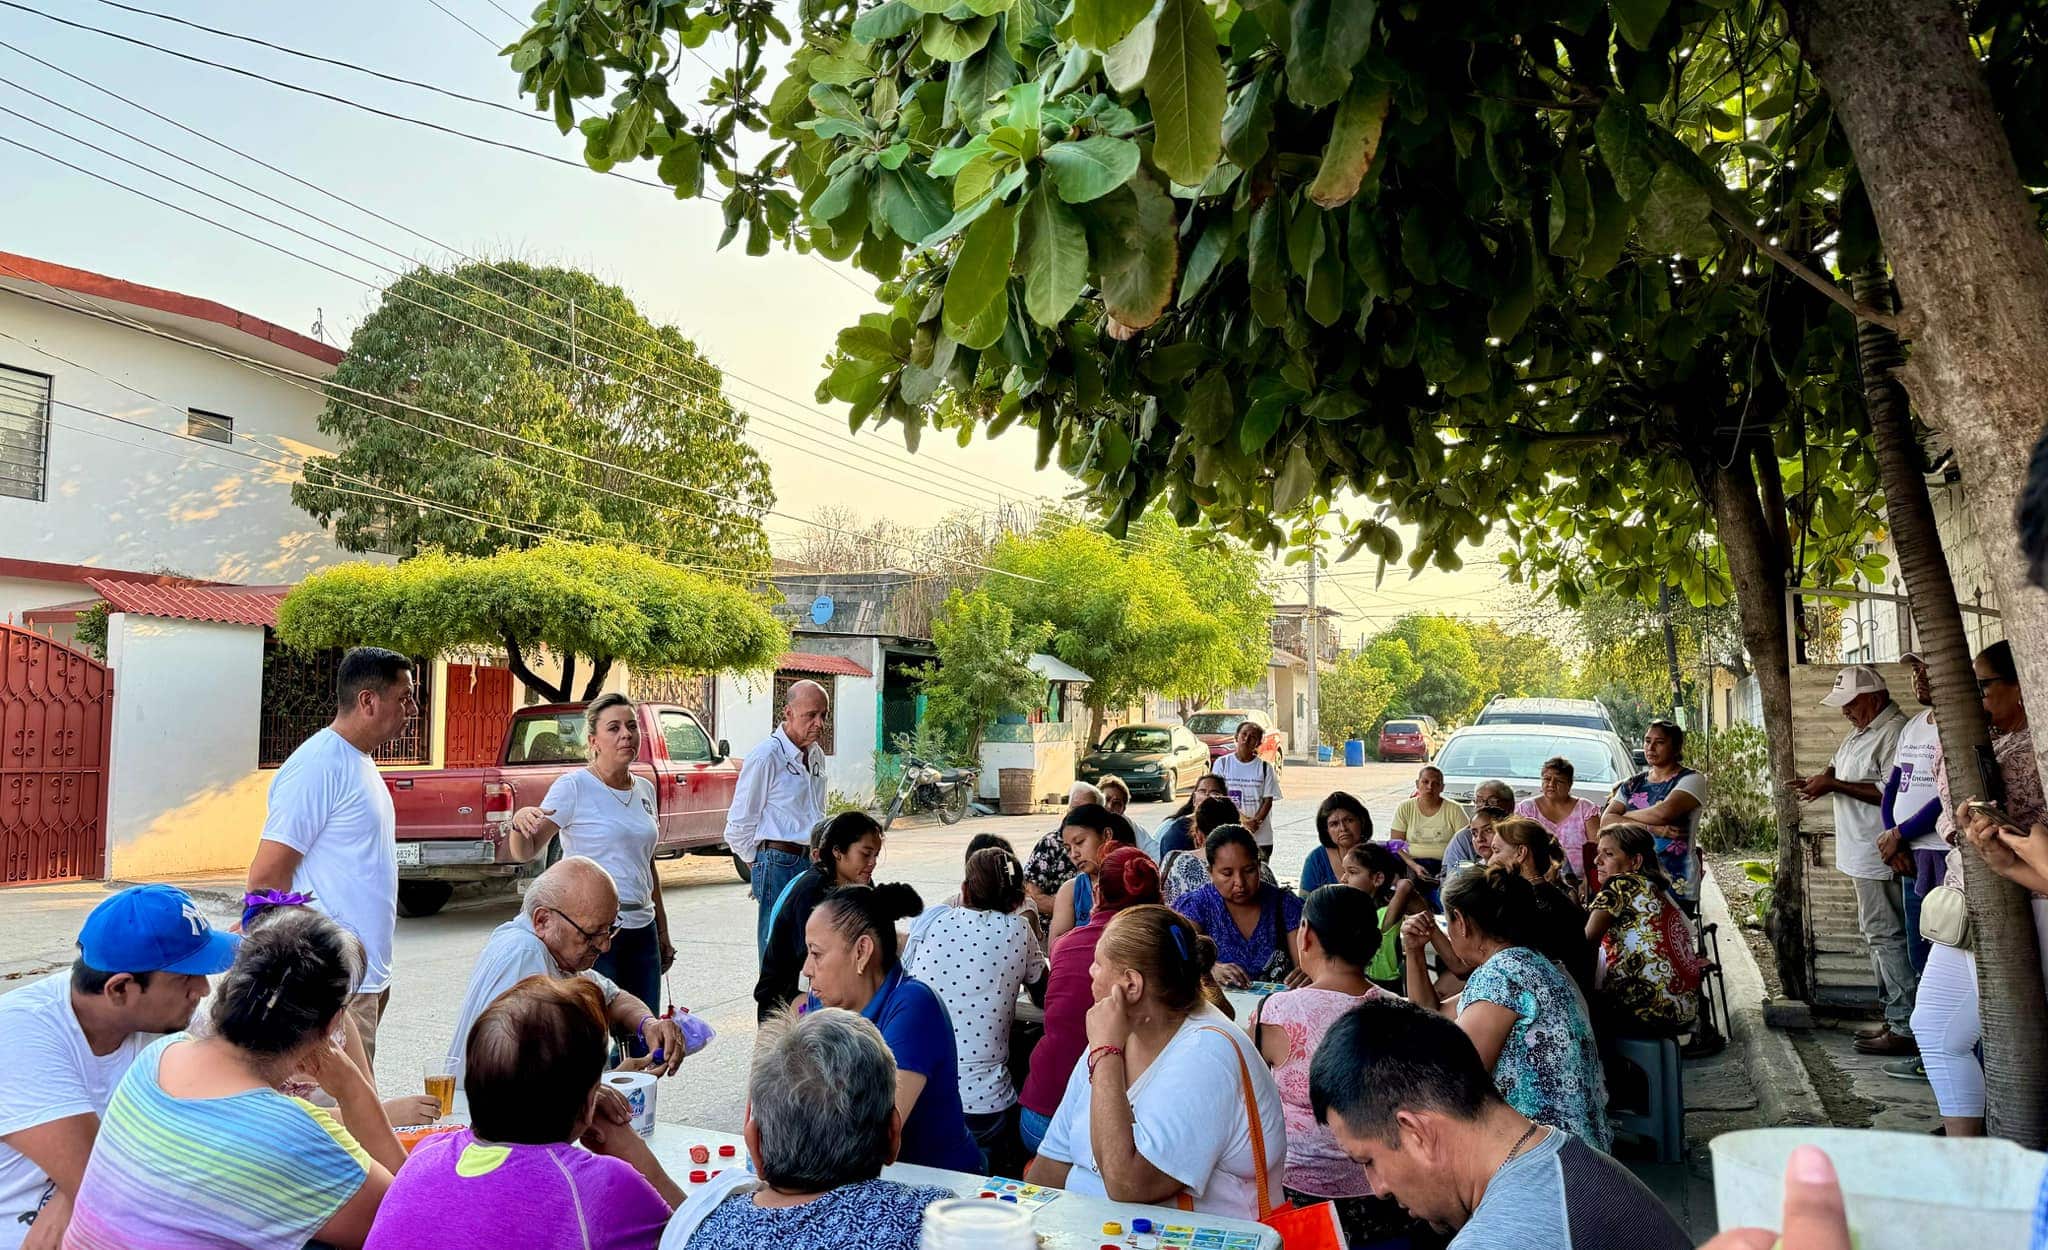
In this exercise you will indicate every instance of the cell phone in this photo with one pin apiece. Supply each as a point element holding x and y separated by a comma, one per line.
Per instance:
<point>1998,817</point>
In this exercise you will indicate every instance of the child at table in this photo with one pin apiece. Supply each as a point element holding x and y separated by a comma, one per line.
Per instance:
<point>1382,874</point>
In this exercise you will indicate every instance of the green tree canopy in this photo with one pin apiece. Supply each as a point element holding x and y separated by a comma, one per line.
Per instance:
<point>1352,697</point>
<point>1434,668</point>
<point>604,604</point>
<point>516,355</point>
<point>981,671</point>
<point>1128,616</point>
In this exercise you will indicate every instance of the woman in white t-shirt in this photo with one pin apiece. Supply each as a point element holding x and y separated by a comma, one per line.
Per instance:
<point>606,813</point>
<point>977,956</point>
<point>1190,1109</point>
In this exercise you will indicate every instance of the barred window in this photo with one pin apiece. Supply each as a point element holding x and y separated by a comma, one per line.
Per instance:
<point>24,432</point>
<point>298,702</point>
<point>211,426</point>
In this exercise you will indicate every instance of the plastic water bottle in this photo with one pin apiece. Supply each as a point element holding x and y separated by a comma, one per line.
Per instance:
<point>974,1224</point>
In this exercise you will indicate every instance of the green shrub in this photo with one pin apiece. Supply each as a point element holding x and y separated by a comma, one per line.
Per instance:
<point>1738,816</point>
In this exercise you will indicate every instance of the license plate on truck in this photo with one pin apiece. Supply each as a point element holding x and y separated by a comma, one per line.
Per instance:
<point>408,854</point>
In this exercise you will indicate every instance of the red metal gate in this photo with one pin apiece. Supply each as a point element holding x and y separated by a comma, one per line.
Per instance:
<point>479,702</point>
<point>56,731</point>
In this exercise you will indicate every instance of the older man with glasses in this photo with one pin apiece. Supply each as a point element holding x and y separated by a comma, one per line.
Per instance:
<point>568,919</point>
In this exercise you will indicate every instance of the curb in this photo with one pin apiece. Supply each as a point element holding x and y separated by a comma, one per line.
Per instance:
<point>1784,1089</point>
<point>207,892</point>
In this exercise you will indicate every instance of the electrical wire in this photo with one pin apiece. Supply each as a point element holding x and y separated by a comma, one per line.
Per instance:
<point>269,368</point>
<point>395,291</point>
<point>831,422</point>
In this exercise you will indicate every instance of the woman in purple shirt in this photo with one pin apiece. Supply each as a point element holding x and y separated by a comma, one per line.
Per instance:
<point>515,1176</point>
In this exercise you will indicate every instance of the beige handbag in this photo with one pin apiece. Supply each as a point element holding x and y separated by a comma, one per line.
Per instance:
<point>1945,917</point>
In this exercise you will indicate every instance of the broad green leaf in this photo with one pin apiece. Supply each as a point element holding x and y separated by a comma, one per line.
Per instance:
<point>1027,103</point>
<point>978,178</point>
<point>1184,85</point>
<point>868,343</point>
<point>1354,138</point>
<point>1623,138</point>
<point>1296,478</point>
<point>1610,226</point>
<point>1248,125</point>
<point>1054,251</point>
<point>1112,446</point>
<point>529,55</point>
<point>1262,421</point>
<point>1328,39</point>
<point>988,8</point>
<point>885,21</point>
<point>1080,64</point>
<point>1207,253</point>
<point>1268,246</point>
<point>843,70</point>
<point>962,218</point>
<point>1416,252</point>
<point>893,156</point>
<point>1124,62</point>
<point>682,167</point>
<point>1137,280</point>
<point>973,83</point>
<point>1087,169</point>
<point>1677,216</point>
<point>1325,297</point>
<point>1098,24</point>
<point>949,161</point>
<point>1012,142</point>
<point>1514,288</point>
<point>946,40</point>
<point>1368,257</point>
<point>981,269</point>
<point>838,194</point>
<point>912,204</point>
<point>1304,238</point>
<point>1210,408</point>
<point>1638,20</point>
<point>1571,207</point>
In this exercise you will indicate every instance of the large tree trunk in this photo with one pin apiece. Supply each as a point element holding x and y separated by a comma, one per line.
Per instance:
<point>1966,250</point>
<point>1756,563</point>
<point>2008,963</point>
<point>516,661</point>
<point>1670,647</point>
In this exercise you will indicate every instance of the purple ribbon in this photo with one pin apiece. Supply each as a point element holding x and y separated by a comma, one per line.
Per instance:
<point>257,902</point>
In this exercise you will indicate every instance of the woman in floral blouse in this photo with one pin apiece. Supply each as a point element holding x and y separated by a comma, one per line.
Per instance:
<point>1640,992</point>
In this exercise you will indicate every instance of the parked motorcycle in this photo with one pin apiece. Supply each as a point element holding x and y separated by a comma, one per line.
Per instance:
<point>928,787</point>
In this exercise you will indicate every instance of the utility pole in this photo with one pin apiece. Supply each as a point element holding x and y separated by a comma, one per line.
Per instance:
<point>1315,740</point>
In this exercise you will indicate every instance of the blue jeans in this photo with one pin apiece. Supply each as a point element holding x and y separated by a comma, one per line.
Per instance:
<point>773,870</point>
<point>1032,1127</point>
<point>1932,866</point>
<point>634,964</point>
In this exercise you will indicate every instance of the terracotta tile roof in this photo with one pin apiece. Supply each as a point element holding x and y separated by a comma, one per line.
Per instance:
<point>226,605</point>
<point>820,665</point>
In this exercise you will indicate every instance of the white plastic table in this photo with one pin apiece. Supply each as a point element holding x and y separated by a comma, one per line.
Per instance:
<point>1070,1222</point>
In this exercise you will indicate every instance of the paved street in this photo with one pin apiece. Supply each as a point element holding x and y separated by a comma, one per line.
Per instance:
<point>711,918</point>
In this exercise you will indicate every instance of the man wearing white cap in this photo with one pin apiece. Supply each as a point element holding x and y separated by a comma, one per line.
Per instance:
<point>1856,779</point>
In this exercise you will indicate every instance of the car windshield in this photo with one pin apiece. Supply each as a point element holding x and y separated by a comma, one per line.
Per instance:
<point>551,739</point>
<point>1574,719</point>
<point>1138,740</point>
<point>1215,722</point>
<point>1403,727</point>
<point>1513,757</point>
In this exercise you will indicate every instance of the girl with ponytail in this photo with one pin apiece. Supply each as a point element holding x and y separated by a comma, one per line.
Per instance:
<point>1522,1010</point>
<point>977,956</point>
<point>1187,1106</point>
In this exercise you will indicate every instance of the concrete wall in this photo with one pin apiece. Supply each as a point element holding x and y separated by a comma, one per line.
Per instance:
<point>140,499</point>
<point>185,794</point>
<point>1050,751</point>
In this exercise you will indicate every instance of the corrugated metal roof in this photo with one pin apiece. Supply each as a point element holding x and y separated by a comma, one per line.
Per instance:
<point>225,605</point>
<point>1053,668</point>
<point>820,665</point>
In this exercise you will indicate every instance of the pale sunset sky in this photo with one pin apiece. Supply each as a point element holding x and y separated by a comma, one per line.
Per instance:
<point>767,321</point>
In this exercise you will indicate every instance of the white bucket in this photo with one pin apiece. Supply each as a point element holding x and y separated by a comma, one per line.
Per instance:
<point>1904,1191</point>
<point>638,1090</point>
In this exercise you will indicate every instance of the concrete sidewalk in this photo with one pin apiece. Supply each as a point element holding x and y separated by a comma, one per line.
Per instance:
<point>39,923</point>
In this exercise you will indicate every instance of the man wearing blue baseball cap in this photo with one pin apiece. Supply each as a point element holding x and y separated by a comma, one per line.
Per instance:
<point>143,959</point>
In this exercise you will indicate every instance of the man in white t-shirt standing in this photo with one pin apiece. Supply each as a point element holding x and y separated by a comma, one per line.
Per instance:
<point>144,956</point>
<point>1856,781</point>
<point>1253,784</point>
<point>330,828</point>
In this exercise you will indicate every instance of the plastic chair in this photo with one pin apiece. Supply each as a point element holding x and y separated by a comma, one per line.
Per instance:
<point>1663,1120</point>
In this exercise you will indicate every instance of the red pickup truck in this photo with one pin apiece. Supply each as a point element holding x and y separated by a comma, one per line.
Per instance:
<point>452,822</point>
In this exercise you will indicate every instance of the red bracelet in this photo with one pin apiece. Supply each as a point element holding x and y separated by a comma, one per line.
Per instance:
<point>1097,1054</point>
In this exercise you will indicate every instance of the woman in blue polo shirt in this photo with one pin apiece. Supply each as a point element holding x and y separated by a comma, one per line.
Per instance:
<point>852,963</point>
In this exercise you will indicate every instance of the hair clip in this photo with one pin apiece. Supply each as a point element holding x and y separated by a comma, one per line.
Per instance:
<point>1180,941</point>
<point>256,902</point>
